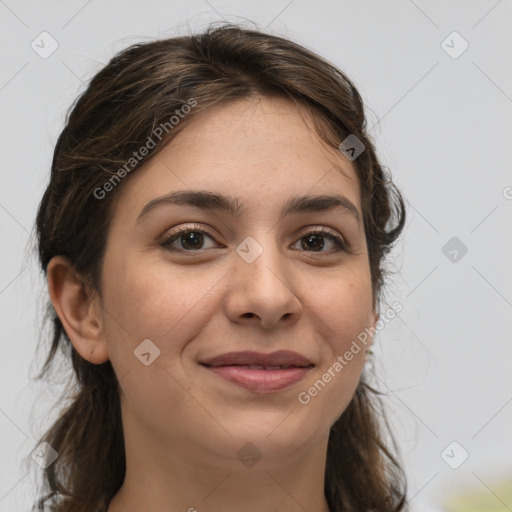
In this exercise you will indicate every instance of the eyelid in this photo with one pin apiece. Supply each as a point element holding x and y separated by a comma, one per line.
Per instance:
<point>187,227</point>
<point>322,230</point>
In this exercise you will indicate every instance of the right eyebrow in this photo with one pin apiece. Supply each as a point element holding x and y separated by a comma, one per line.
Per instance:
<point>196,198</point>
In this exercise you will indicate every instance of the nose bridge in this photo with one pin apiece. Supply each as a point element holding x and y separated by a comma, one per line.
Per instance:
<point>263,283</point>
<point>261,260</point>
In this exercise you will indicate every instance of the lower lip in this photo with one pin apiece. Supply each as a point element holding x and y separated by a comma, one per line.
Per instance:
<point>261,381</point>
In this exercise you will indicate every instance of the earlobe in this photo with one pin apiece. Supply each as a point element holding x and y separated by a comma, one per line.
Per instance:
<point>79,311</point>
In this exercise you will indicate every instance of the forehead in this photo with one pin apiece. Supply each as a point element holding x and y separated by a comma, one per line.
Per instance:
<point>259,150</point>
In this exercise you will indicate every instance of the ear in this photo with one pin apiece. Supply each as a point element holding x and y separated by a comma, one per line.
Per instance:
<point>78,309</point>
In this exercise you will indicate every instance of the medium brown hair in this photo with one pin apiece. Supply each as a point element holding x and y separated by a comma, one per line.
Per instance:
<point>139,90</point>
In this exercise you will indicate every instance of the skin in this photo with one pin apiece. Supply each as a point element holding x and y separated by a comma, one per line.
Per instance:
<point>183,425</point>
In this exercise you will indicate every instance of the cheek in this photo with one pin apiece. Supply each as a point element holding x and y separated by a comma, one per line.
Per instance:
<point>341,314</point>
<point>152,301</point>
<point>144,302</point>
<point>343,310</point>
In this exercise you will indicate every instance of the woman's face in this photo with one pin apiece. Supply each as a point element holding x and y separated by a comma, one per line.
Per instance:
<point>256,280</point>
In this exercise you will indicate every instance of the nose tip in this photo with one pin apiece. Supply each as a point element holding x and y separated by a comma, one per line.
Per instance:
<point>260,295</point>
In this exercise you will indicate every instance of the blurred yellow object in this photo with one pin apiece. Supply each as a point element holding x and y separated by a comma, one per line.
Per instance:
<point>499,499</point>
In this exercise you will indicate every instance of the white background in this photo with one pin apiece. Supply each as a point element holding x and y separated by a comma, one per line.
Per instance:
<point>445,132</point>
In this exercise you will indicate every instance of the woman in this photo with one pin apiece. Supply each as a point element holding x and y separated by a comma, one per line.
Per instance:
<point>213,236</point>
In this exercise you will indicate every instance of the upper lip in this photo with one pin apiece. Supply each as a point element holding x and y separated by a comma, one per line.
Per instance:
<point>279,358</point>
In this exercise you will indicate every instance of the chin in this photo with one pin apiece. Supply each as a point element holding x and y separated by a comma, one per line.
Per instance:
<point>272,440</point>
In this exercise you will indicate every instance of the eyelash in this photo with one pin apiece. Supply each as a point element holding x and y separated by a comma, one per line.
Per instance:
<point>324,231</point>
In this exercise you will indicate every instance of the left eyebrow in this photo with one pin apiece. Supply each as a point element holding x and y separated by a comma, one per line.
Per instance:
<point>205,200</point>
<point>319,203</point>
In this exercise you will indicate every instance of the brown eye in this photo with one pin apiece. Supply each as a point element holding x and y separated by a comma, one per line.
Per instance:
<point>314,241</point>
<point>187,240</point>
<point>191,240</point>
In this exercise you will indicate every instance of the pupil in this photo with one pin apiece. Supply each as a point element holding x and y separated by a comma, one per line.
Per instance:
<point>191,240</point>
<point>311,242</point>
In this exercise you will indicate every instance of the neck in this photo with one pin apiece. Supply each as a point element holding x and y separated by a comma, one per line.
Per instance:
<point>180,478</point>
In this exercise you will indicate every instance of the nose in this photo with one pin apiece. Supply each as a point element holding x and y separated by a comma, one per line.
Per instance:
<point>263,293</point>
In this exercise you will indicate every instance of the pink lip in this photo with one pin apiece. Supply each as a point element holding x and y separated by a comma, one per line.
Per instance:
<point>236,367</point>
<point>261,381</point>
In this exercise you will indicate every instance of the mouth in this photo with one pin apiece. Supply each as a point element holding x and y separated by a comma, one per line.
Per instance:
<point>281,359</point>
<point>261,373</point>
<point>255,366</point>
